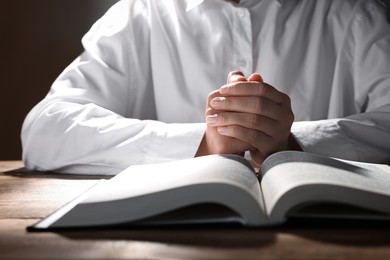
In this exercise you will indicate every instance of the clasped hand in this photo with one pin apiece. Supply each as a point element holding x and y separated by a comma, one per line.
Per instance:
<point>247,115</point>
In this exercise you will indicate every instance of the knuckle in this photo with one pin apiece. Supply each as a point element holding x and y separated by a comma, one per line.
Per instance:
<point>258,105</point>
<point>253,137</point>
<point>264,89</point>
<point>235,131</point>
<point>287,98</point>
<point>253,121</point>
<point>222,119</point>
<point>290,118</point>
<point>227,103</point>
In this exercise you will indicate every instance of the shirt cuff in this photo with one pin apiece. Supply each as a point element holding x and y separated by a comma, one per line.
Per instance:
<point>174,142</point>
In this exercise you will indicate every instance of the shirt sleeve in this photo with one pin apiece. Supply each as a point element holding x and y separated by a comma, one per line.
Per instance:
<point>360,137</point>
<point>364,136</point>
<point>99,116</point>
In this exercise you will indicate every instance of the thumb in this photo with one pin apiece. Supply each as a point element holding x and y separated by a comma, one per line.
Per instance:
<point>255,77</point>
<point>235,76</point>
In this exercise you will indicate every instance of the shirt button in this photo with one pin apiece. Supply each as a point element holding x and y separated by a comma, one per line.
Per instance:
<point>241,63</point>
<point>241,13</point>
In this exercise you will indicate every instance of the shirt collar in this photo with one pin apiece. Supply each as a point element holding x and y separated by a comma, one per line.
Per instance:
<point>191,4</point>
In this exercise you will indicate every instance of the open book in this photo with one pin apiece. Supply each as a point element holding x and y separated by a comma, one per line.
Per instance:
<point>225,188</point>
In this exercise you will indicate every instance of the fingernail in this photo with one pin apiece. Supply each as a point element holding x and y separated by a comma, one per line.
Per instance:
<point>224,89</point>
<point>235,72</point>
<point>211,119</point>
<point>216,102</point>
<point>222,130</point>
<point>236,78</point>
<point>256,77</point>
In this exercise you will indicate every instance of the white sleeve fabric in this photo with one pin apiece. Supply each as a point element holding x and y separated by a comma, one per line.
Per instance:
<point>364,136</point>
<point>99,116</point>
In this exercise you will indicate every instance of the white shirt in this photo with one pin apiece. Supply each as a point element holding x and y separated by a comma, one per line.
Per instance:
<point>137,94</point>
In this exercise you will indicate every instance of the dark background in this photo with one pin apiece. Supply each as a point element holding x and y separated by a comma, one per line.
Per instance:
<point>38,39</point>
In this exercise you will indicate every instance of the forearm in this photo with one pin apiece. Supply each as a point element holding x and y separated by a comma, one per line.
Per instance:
<point>75,138</point>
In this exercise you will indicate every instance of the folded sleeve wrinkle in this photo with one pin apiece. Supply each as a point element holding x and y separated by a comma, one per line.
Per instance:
<point>86,123</point>
<point>137,93</point>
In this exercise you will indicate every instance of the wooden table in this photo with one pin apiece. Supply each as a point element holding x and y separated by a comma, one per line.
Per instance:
<point>26,197</point>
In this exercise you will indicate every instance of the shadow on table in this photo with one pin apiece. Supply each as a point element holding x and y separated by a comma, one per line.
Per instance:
<point>341,232</point>
<point>221,236</point>
<point>24,173</point>
<point>353,232</point>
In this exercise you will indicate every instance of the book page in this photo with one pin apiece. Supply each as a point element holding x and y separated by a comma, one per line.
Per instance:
<point>144,179</point>
<point>290,179</point>
<point>144,191</point>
